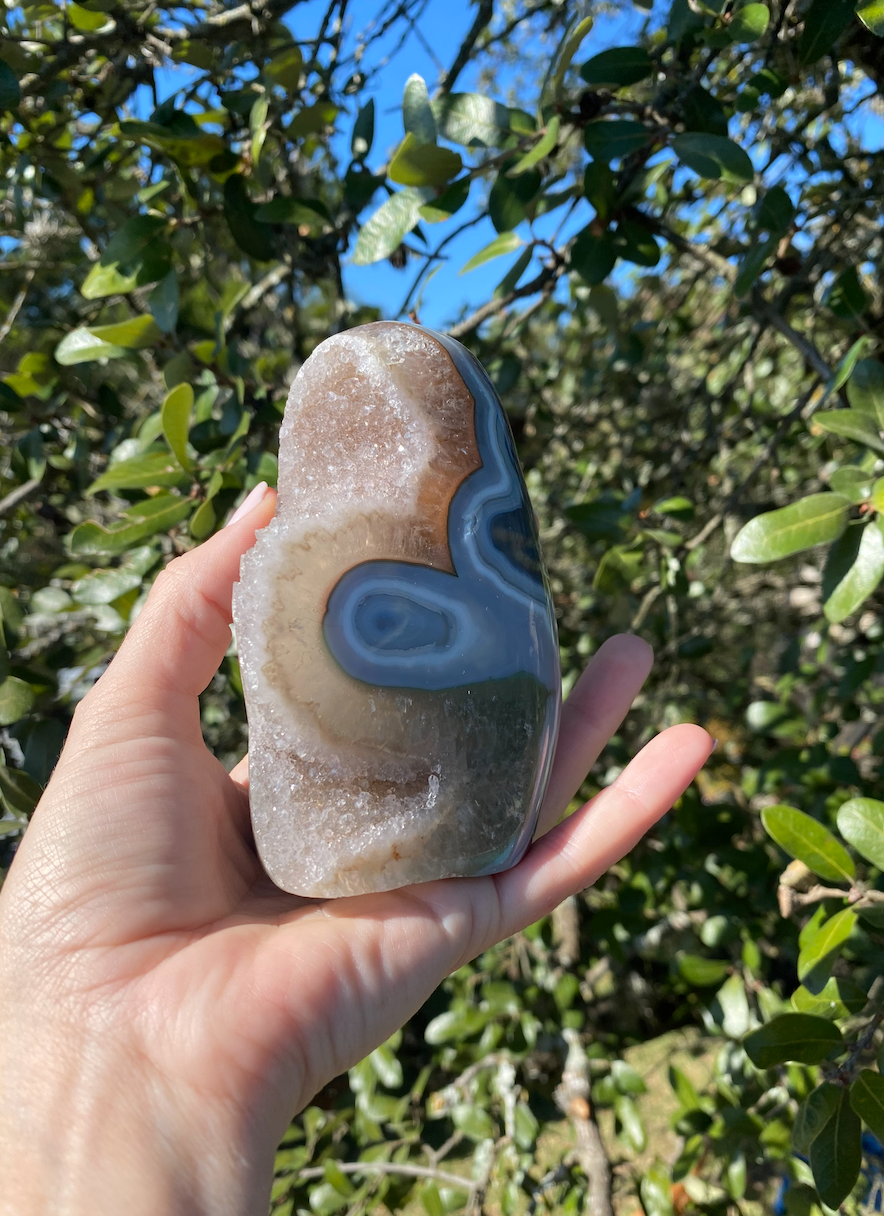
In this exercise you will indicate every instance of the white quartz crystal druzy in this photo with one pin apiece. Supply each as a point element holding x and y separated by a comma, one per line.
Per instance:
<point>363,781</point>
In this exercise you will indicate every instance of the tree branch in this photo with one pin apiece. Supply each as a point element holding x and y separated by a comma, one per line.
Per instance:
<point>391,1167</point>
<point>545,281</point>
<point>483,18</point>
<point>572,1098</point>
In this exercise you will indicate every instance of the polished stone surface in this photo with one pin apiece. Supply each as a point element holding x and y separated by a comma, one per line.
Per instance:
<point>395,630</point>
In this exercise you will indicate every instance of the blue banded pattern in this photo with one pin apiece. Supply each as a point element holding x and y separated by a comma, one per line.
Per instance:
<point>399,624</point>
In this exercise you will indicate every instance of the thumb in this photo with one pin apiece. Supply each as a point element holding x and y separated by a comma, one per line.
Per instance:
<point>181,635</point>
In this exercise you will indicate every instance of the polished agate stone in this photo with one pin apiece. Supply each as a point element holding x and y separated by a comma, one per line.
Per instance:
<point>395,630</point>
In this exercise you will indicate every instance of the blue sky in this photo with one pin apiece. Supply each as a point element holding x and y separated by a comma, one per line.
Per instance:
<point>448,294</point>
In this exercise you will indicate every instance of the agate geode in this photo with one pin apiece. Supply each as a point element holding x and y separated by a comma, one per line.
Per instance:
<point>396,635</point>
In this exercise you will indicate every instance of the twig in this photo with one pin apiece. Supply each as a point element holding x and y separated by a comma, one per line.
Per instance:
<point>14,497</point>
<point>572,1098</point>
<point>391,1167</point>
<point>16,306</point>
<point>549,274</point>
<point>805,348</point>
<point>483,18</point>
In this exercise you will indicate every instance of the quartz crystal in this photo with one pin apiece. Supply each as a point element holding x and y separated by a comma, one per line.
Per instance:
<point>395,630</point>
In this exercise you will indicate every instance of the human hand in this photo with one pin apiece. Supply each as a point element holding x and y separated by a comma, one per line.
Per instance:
<point>164,1009</point>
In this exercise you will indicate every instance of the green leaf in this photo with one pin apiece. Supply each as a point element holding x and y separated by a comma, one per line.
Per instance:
<point>813,1114</point>
<point>82,346</point>
<point>10,93</point>
<point>309,214</point>
<point>417,113</point>
<point>752,264</point>
<point>632,1131</point>
<point>447,203</point>
<point>732,1005</point>
<point>253,237</point>
<point>809,841</point>
<point>846,365</point>
<point>145,519</point>
<point>509,198</point>
<point>836,1154</point>
<point>85,20</point>
<point>120,266</point>
<point>600,188</point>
<point>105,586</point>
<point>176,421</point>
<point>776,534</point>
<point>861,823</point>
<point>871,14</point>
<point>867,1100</point>
<point>472,118</point>
<point>475,1123</point>
<point>384,231</point>
<point>311,120</point>
<point>541,149</point>
<point>511,279</point>
<point>592,256</point>
<point>852,483</point>
<point>865,389</point>
<point>610,139</point>
<point>154,469</point>
<point>163,303</point>
<point>824,22</point>
<point>423,164</point>
<point>837,999</point>
<point>507,242</point>
<point>634,243</point>
<point>846,297</point>
<point>852,424</point>
<point>701,972</point>
<point>714,157</point>
<point>792,1037</point>
<point>749,23</point>
<point>386,1065</point>
<point>816,958</point>
<point>285,68</point>
<point>19,792</point>
<point>454,1024</point>
<point>622,65</point>
<point>16,699</point>
<point>775,211</point>
<point>188,147</point>
<point>134,334</point>
<point>568,48</point>
<point>363,131</point>
<point>861,579</point>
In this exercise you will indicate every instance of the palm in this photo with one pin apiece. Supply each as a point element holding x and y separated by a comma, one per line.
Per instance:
<point>140,870</point>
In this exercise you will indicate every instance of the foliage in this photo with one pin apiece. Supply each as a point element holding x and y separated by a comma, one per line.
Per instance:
<point>686,333</point>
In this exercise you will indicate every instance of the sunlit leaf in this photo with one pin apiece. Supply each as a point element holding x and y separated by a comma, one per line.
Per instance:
<point>417,113</point>
<point>423,164</point>
<point>816,958</point>
<point>864,575</point>
<point>384,231</point>
<point>507,242</point>
<point>861,823</point>
<point>809,841</point>
<point>776,534</point>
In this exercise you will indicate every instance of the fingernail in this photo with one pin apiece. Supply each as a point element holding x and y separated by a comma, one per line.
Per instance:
<point>248,504</point>
<point>714,742</point>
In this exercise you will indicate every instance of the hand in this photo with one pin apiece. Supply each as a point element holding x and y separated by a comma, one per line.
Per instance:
<point>164,1009</point>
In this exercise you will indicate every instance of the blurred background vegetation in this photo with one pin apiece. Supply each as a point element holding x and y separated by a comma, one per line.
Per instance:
<point>668,219</point>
